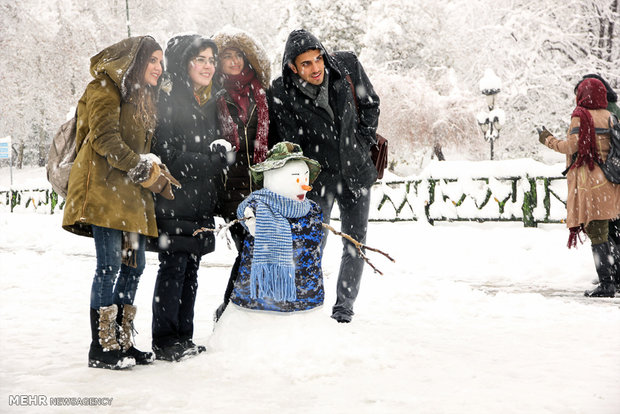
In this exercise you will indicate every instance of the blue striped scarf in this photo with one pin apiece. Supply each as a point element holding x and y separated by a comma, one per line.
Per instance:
<point>273,269</point>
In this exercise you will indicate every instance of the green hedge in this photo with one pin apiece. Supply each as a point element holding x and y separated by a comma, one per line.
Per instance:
<point>531,200</point>
<point>31,200</point>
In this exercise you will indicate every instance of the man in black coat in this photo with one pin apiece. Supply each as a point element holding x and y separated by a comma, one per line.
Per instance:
<point>313,105</point>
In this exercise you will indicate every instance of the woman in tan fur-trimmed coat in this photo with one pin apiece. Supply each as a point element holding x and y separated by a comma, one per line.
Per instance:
<point>593,203</point>
<point>244,74</point>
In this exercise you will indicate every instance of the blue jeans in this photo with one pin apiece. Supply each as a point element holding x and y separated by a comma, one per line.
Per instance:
<point>115,282</point>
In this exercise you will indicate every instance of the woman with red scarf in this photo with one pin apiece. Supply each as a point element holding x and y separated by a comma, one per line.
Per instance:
<point>243,74</point>
<point>592,202</point>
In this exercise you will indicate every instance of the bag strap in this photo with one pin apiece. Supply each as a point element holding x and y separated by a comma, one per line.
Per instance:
<point>357,106</point>
<point>613,117</point>
<point>598,131</point>
<point>572,161</point>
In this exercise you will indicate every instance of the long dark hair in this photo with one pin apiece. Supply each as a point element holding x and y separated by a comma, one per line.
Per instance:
<point>143,95</point>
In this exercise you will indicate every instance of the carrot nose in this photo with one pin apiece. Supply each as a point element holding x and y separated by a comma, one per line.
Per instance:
<point>306,187</point>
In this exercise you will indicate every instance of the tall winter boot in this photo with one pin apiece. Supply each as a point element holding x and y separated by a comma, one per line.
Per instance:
<point>125,318</point>
<point>615,254</point>
<point>104,349</point>
<point>605,268</point>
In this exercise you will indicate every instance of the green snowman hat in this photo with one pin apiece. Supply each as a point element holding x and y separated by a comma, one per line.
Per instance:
<point>280,154</point>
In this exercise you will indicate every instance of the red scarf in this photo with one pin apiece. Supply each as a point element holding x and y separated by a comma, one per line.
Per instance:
<point>591,94</point>
<point>239,87</point>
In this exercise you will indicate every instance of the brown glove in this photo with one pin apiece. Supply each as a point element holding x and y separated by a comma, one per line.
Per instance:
<point>543,134</point>
<point>167,190</point>
<point>160,181</point>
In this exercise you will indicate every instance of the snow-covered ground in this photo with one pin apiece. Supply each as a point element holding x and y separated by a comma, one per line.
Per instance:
<point>472,318</point>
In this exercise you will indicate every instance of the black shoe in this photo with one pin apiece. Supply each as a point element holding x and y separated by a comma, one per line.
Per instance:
<point>192,348</point>
<point>342,317</point>
<point>142,358</point>
<point>603,290</point>
<point>172,353</point>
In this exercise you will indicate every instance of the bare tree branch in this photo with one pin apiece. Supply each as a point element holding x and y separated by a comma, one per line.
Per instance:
<point>359,247</point>
<point>220,228</point>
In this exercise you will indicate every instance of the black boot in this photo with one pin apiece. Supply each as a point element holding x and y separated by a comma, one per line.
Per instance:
<point>125,318</point>
<point>191,348</point>
<point>615,254</point>
<point>174,352</point>
<point>605,268</point>
<point>104,349</point>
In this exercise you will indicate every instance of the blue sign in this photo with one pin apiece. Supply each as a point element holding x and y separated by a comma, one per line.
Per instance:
<point>5,148</point>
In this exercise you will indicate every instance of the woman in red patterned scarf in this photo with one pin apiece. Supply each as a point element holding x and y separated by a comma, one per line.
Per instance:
<point>592,202</point>
<point>244,75</point>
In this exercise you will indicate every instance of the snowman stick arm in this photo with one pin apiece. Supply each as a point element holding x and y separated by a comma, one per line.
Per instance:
<point>221,227</point>
<point>359,247</point>
<point>356,243</point>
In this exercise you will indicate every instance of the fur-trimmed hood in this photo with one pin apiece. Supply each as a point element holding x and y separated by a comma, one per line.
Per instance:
<point>251,47</point>
<point>116,61</point>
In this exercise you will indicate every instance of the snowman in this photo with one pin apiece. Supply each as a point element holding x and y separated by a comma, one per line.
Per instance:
<point>280,268</point>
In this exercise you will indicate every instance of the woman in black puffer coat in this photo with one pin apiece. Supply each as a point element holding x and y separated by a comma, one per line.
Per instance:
<point>186,140</point>
<point>244,74</point>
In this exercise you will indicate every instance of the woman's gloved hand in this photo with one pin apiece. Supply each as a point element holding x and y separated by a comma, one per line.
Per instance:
<point>225,149</point>
<point>160,181</point>
<point>543,134</point>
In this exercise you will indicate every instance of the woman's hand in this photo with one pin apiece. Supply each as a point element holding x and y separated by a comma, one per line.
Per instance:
<point>543,134</point>
<point>160,181</point>
<point>225,149</point>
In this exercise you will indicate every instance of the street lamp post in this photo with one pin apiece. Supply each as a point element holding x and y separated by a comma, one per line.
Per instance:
<point>491,122</point>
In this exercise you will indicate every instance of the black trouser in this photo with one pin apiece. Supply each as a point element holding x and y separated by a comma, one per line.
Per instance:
<point>174,298</point>
<point>354,222</point>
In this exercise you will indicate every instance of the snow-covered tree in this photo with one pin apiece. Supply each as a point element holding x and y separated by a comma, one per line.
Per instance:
<point>425,58</point>
<point>538,49</point>
<point>340,25</point>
